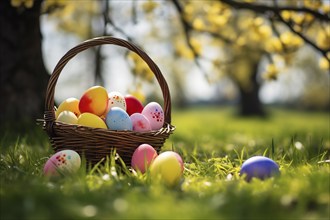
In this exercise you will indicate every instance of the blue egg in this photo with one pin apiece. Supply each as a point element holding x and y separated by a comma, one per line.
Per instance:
<point>118,119</point>
<point>259,167</point>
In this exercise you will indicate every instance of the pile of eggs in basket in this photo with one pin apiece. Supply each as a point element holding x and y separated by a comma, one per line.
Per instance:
<point>99,109</point>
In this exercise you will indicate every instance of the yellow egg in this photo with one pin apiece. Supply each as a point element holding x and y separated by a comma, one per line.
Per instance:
<point>91,120</point>
<point>70,104</point>
<point>94,100</point>
<point>166,168</point>
<point>67,117</point>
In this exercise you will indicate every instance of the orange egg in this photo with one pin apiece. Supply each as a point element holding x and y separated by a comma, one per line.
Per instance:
<point>70,104</point>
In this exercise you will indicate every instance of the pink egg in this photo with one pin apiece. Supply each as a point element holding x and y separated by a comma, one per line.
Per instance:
<point>140,122</point>
<point>142,157</point>
<point>155,114</point>
<point>63,162</point>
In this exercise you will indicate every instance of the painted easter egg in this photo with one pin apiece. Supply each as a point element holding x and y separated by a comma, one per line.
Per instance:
<point>70,104</point>
<point>116,99</point>
<point>62,163</point>
<point>67,117</point>
<point>118,119</point>
<point>94,100</point>
<point>91,120</point>
<point>180,160</point>
<point>259,167</point>
<point>155,114</point>
<point>143,157</point>
<point>133,105</point>
<point>140,122</point>
<point>166,168</point>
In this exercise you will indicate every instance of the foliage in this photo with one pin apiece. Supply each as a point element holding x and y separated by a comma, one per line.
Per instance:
<point>213,144</point>
<point>224,37</point>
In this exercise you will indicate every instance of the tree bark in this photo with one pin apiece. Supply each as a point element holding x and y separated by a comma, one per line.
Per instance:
<point>24,77</point>
<point>250,104</point>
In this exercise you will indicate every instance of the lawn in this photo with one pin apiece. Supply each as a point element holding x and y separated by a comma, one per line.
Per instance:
<point>213,143</point>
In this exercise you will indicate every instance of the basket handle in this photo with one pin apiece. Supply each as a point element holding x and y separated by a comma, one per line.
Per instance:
<point>49,102</point>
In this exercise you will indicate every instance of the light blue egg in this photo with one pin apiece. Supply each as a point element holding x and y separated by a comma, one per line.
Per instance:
<point>118,119</point>
<point>259,167</point>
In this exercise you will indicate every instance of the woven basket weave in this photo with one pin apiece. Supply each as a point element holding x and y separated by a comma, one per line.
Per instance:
<point>97,143</point>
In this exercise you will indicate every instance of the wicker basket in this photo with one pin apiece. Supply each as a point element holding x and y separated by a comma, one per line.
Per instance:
<point>97,143</point>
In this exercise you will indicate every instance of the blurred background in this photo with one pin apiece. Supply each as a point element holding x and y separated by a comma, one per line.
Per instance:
<point>249,54</point>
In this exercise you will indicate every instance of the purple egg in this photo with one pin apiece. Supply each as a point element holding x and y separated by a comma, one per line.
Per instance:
<point>259,167</point>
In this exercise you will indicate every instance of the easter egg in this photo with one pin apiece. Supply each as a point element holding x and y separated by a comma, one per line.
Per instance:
<point>91,120</point>
<point>63,162</point>
<point>133,105</point>
<point>67,117</point>
<point>94,100</point>
<point>116,99</point>
<point>118,119</point>
<point>155,114</point>
<point>259,167</point>
<point>140,122</point>
<point>70,104</point>
<point>180,161</point>
<point>166,168</point>
<point>142,157</point>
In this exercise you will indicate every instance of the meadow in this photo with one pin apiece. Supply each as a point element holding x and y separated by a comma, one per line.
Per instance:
<point>213,143</point>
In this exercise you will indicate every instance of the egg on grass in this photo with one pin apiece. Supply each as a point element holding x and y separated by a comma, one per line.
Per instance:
<point>64,162</point>
<point>166,168</point>
<point>259,167</point>
<point>142,157</point>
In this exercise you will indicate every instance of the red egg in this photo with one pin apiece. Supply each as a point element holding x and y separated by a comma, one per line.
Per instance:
<point>133,105</point>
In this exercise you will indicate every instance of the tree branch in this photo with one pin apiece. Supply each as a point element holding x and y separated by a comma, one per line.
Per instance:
<point>187,29</point>
<point>275,11</point>
<point>262,9</point>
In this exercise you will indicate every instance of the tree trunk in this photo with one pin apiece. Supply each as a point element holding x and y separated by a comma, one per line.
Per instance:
<point>250,104</point>
<point>24,77</point>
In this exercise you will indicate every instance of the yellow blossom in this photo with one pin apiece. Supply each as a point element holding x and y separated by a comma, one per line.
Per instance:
<point>149,6</point>
<point>323,39</point>
<point>286,15</point>
<point>324,64</point>
<point>25,3</point>
<point>274,45</point>
<point>291,40</point>
<point>271,72</point>
<point>198,24</point>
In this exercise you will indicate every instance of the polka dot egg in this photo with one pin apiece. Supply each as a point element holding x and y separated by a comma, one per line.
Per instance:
<point>155,114</point>
<point>116,99</point>
<point>62,163</point>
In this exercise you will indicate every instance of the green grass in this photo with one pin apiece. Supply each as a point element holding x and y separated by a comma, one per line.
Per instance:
<point>213,144</point>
